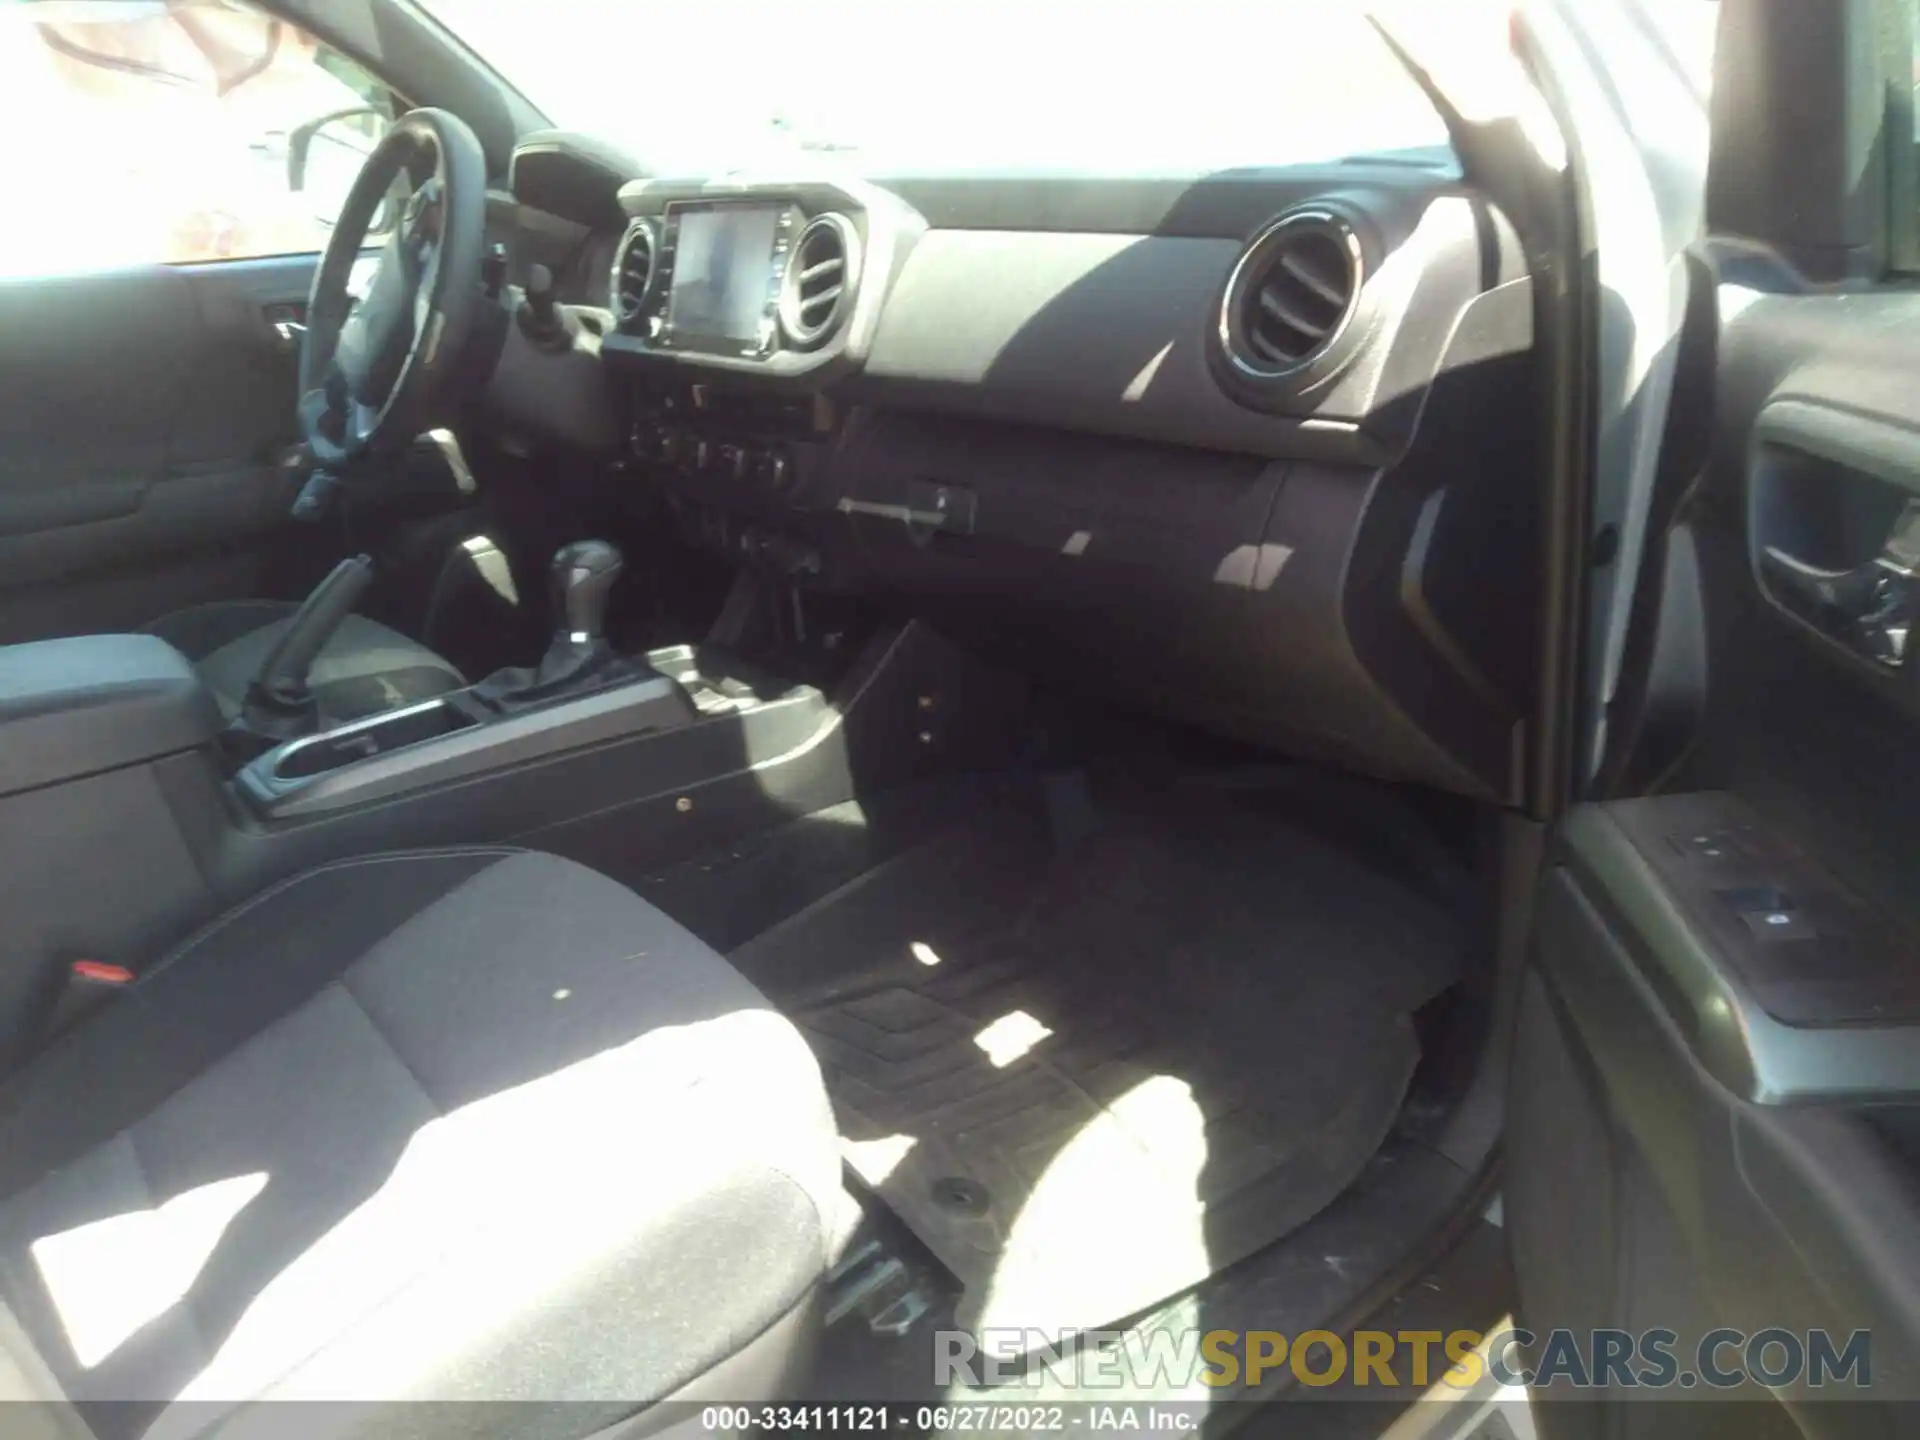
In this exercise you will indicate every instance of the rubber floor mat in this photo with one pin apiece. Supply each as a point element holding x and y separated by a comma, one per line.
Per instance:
<point>1088,1077</point>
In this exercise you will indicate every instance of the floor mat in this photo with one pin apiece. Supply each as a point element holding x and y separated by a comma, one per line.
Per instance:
<point>1088,1075</point>
<point>729,895</point>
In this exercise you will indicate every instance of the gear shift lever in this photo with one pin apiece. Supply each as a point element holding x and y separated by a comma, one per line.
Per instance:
<point>582,575</point>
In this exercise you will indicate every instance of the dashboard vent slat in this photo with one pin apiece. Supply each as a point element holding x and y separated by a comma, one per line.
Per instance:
<point>633,272</point>
<point>1275,305</point>
<point>820,272</point>
<point>1267,352</point>
<point>1291,295</point>
<point>1333,290</point>
<point>823,298</point>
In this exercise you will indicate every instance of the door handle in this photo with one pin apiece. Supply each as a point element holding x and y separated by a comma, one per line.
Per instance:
<point>1870,608</point>
<point>288,322</point>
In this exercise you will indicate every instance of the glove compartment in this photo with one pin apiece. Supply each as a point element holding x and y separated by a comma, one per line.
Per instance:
<point>1138,558</point>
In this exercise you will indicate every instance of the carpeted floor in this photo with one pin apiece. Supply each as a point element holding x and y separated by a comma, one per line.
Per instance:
<point>1091,1051</point>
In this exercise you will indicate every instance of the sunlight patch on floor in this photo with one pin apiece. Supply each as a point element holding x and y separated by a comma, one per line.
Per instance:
<point>1148,1146</point>
<point>874,1160</point>
<point>1010,1037</point>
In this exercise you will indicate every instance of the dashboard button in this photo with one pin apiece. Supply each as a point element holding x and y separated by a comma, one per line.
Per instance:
<point>671,448</point>
<point>773,469</point>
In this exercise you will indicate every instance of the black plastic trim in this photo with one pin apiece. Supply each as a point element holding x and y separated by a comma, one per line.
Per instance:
<point>1689,976</point>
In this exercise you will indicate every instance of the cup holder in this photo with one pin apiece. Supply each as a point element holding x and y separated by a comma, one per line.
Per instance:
<point>364,739</point>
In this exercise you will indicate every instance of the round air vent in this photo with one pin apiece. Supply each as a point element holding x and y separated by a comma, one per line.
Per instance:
<point>633,271</point>
<point>819,280</point>
<point>1292,294</point>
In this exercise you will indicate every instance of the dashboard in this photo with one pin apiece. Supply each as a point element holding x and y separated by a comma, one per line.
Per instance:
<point>1253,449</point>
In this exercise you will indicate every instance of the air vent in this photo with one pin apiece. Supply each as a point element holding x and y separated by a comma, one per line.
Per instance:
<point>632,272</point>
<point>1291,295</point>
<point>820,277</point>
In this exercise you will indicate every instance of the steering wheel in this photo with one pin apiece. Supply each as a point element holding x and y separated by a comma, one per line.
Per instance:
<point>373,376</point>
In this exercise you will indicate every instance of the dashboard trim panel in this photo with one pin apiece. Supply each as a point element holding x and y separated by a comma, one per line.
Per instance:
<point>1022,430</point>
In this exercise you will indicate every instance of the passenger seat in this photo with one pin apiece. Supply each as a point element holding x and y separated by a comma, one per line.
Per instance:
<point>461,1125</point>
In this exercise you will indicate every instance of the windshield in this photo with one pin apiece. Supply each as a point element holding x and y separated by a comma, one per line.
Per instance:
<point>896,87</point>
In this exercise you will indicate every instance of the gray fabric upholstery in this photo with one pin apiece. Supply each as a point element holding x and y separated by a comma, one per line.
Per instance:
<point>499,1130</point>
<point>364,667</point>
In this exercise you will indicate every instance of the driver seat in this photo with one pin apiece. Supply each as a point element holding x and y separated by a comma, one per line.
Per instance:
<point>363,669</point>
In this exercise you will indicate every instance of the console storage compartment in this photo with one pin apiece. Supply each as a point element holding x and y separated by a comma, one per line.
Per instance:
<point>104,747</point>
<point>377,735</point>
<point>96,702</point>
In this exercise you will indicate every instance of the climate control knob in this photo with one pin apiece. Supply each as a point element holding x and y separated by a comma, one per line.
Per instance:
<point>773,469</point>
<point>654,440</point>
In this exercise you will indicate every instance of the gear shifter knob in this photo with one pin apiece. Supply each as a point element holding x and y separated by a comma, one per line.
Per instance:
<point>540,296</point>
<point>578,658</point>
<point>583,575</point>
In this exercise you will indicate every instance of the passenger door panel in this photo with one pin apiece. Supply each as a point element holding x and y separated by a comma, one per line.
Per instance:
<point>1716,1094</point>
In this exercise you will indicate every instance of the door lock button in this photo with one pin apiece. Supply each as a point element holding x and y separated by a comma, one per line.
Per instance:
<point>1768,912</point>
<point>1776,925</point>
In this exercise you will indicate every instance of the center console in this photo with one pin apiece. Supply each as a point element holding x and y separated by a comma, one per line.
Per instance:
<point>641,733</point>
<point>779,282</point>
<point>448,739</point>
<point>581,696</point>
<point>124,820</point>
<point>721,269</point>
<point>736,467</point>
<point>737,308</point>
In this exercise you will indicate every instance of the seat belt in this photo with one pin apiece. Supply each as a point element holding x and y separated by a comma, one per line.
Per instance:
<point>85,988</point>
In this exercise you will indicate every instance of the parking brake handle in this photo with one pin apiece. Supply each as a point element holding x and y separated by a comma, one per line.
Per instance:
<point>279,692</point>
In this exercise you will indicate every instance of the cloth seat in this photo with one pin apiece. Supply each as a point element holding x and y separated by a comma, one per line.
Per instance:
<point>471,1125</point>
<point>363,669</point>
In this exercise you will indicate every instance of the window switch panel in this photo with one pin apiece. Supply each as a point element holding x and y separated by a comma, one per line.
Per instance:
<point>1712,846</point>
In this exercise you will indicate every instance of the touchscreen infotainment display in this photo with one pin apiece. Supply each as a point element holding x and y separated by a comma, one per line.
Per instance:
<point>721,268</point>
